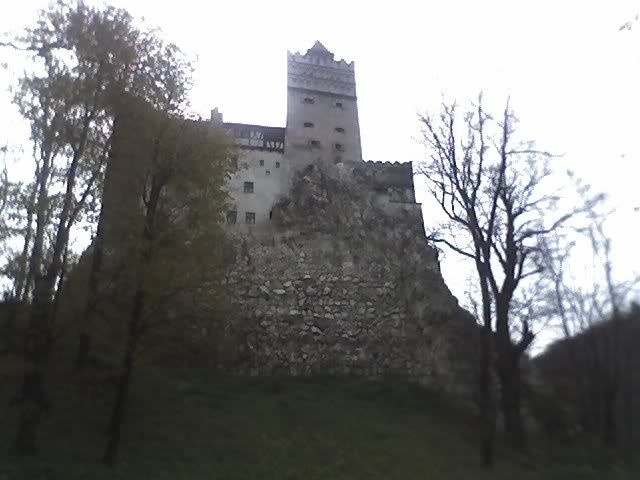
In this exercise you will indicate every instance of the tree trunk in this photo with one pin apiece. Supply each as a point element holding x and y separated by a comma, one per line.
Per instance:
<point>32,396</point>
<point>38,339</point>
<point>84,343</point>
<point>23,272</point>
<point>486,401</point>
<point>34,267</point>
<point>629,404</point>
<point>609,426</point>
<point>31,412</point>
<point>511,401</point>
<point>122,388</point>
<point>134,332</point>
<point>509,375</point>
<point>135,320</point>
<point>9,327</point>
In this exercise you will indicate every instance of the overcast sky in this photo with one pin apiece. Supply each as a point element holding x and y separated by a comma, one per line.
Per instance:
<point>574,79</point>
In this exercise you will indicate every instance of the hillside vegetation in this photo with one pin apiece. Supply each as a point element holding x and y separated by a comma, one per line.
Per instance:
<point>190,424</point>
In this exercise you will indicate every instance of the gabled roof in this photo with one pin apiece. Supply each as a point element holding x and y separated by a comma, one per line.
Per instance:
<point>320,50</point>
<point>318,46</point>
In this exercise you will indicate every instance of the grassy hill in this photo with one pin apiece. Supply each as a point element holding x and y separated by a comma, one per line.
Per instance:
<point>191,424</point>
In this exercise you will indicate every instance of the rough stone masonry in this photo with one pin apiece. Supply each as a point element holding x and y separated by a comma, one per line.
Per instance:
<point>346,284</point>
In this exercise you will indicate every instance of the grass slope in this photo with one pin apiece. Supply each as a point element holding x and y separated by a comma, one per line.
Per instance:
<point>189,424</point>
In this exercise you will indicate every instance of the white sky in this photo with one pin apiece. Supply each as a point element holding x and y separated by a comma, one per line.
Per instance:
<point>574,79</point>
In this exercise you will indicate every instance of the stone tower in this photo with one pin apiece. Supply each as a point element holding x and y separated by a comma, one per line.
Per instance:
<point>322,111</point>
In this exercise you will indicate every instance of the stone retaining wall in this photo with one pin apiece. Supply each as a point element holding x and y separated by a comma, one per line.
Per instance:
<point>353,293</point>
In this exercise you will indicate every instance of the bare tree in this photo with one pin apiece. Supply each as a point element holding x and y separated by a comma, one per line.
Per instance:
<point>493,190</point>
<point>589,302</point>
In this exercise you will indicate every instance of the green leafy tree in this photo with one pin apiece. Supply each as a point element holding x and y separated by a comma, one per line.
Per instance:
<point>161,77</point>
<point>83,59</point>
<point>166,199</point>
<point>4,200</point>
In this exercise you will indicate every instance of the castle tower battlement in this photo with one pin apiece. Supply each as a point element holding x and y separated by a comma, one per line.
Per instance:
<point>317,70</point>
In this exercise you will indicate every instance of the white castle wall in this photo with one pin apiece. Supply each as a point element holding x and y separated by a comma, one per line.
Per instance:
<point>269,180</point>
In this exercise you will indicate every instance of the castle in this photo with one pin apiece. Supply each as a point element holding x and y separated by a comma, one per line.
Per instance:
<point>322,129</point>
<point>333,272</point>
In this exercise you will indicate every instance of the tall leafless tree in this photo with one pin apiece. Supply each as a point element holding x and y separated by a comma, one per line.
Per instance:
<point>589,302</point>
<point>498,205</point>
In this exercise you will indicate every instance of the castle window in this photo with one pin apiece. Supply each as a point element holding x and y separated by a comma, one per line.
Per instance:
<point>339,147</point>
<point>339,129</point>
<point>308,100</point>
<point>248,187</point>
<point>314,143</point>
<point>277,164</point>
<point>270,214</point>
<point>267,173</point>
<point>250,218</point>
<point>338,104</point>
<point>308,125</point>
<point>232,216</point>
<point>262,163</point>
